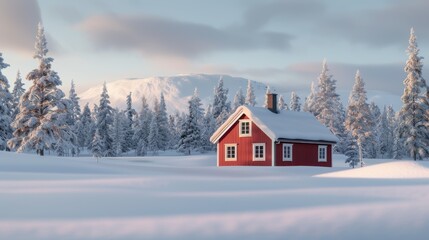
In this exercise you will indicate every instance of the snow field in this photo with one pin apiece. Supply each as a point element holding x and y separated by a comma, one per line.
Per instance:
<point>187,197</point>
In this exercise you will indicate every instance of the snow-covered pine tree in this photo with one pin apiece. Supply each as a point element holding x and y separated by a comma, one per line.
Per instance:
<point>17,92</point>
<point>281,105</point>
<point>359,120</point>
<point>328,108</point>
<point>142,128</point>
<point>221,106</point>
<point>311,100</point>
<point>250,95</point>
<point>130,117</point>
<point>351,150</point>
<point>190,138</point>
<point>6,107</point>
<point>75,102</point>
<point>198,112</point>
<point>398,148</point>
<point>118,133</point>
<point>413,118</point>
<point>209,128</point>
<point>40,123</point>
<point>153,135</point>
<point>386,133</point>
<point>239,100</point>
<point>174,130</point>
<point>162,122</point>
<point>104,123</point>
<point>85,134</point>
<point>372,146</point>
<point>295,104</point>
<point>340,129</point>
<point>73,117</point>
<point>268,91</point>
<point>97,145</point>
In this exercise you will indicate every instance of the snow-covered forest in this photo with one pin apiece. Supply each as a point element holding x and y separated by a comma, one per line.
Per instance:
<point>42,119</point>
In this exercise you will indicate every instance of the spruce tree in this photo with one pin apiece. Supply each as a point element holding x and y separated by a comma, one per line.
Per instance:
<point>295,104</point>
<point>413,117</point>
<point>162,123</point>
<point>358,120</point>
<point>6,107</point>
<point>328,101</point>
<point>268,91</point>
<point>104,123</point>
<point>250,95</point>
<point>40,123</point>
<point>351,150</point>
<point>221,106</point>
<point>17,92</point>
<point>174,130</point>
<point>75,102</point>
<point>311,100</point>
<point>190,138</point>
<point>142,129</point>
<point>328,108</point>
<point>85,134</point>
<point>118,133</point>
<point>281,105</point>
<point>130,116</point>
<point>97,145</point>
<point>153,136</point>
<point>73,118</point>
<point>198,112</point>
<point>386,133</point>
<point>239,100</point>
<point>209,127</point>
<point>372,145</point>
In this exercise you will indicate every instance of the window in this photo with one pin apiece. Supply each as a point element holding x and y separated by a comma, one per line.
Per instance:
<point>230,152</point>
<point>322,153</point>
<point>287,152</point>
<point>245,128</point>
<point>259,152</point>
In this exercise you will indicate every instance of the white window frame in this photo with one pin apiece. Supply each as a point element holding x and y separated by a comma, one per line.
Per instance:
<point>226,152</point>
<point>287,159</point>
<point>264,151</point>
<point>240,128</point>
<point>325,150</point>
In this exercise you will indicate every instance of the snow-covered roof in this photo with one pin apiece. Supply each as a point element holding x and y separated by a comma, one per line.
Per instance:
<point>283,125</point>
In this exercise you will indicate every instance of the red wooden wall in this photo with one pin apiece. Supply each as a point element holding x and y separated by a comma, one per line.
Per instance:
<point>244,146</point>
<point>303,154</point>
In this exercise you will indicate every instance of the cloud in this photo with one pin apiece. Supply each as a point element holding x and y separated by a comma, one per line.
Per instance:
<point>373,25</point>
<point>380,26</point>
<point>18,24</point>
<point>68,13</point>
<point>160,36</point>
<point>259,15</point>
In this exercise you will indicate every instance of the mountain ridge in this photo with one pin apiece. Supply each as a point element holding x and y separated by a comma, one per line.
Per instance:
<point>177,90</point>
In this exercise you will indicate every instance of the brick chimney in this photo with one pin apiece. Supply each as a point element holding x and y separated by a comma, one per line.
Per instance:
<point>272,102</point>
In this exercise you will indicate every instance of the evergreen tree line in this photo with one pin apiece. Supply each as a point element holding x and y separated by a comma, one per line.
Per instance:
<point>365,130</point>
<point>43,119</point>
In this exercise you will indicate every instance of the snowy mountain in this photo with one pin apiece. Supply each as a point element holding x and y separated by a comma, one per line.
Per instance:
<point>177,90</point>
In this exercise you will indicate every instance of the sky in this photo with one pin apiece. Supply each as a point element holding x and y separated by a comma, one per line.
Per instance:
<point>281,43</point>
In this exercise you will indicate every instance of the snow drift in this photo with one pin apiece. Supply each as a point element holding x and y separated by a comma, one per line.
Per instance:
<point>392,170</point>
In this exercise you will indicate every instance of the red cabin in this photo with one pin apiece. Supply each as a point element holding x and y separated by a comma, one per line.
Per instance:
<point>255,136</point>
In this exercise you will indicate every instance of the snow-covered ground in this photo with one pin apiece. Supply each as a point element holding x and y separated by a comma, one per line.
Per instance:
<point>177,197</point>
